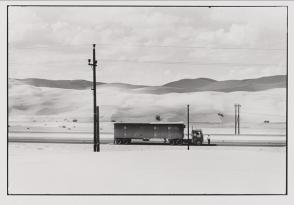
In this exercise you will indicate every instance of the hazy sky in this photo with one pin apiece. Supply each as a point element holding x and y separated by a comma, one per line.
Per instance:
<point>147,45</point>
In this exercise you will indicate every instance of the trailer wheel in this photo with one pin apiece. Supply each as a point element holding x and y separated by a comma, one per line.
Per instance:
<point>127,141</point>
<point>198,142</point>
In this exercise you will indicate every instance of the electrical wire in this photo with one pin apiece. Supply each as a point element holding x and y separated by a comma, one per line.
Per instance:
<point>100,61</point>
<point>152,46</point>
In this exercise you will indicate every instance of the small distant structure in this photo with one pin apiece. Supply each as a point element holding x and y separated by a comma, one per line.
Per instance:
<point>220,114</point>
<point>266,121</point>
<point>74,120</point>
<point>157,118</point>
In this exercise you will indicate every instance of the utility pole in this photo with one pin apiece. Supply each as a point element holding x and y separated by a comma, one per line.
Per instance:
<point>98,129</point>
<point>235,119</point>
<point>188,124</point>
<point>94,64</point>
<point>239,118</point>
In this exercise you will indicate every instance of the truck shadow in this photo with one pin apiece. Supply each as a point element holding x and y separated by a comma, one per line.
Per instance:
<point>162,144</point>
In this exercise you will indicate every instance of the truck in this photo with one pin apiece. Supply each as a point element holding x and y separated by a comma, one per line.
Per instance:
<point>169,132</point>
<point>197,137</point>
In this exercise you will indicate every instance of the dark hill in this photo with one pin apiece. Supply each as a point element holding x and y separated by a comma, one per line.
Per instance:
<point>190,83</point>
<point>180,86</point>
<point>205,84</point>
<point>64,84</point>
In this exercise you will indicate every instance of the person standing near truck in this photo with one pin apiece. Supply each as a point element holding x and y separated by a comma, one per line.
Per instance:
<point>208,139</point>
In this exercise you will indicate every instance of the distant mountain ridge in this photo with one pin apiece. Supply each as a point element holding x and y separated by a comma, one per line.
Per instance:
<point>206,84</point>
<point>64,84</point>
<point>180,86</point>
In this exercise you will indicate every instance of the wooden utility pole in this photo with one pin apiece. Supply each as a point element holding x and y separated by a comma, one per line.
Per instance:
<point>235,119</point>
<point>239,118</point>
<point>94,64</point>
<point>98,129</point>
<point>188,124</point>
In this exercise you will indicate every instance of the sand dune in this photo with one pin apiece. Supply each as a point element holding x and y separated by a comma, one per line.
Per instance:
<point>120,103</point>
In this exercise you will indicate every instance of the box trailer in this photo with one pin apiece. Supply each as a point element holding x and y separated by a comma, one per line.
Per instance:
<point>173,132</point>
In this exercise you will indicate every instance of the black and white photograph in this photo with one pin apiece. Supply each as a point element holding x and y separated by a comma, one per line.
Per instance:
<point>145,99</point>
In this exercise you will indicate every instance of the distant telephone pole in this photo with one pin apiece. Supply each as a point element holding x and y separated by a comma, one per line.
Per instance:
<point>188,124</point>
<point>237,119</point>
<point>239,106</point>
<point>94,65</point>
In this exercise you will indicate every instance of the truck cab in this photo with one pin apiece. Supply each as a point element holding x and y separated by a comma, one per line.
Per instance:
<point>197,136</point>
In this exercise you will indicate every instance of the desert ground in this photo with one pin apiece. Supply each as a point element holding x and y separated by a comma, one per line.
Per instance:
<point>64,162</point>
<point>49,168</point>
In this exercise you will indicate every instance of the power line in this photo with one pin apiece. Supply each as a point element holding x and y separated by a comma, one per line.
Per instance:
<point>156,62</point>
<point>190,62</point>
<point>154,46</point>
<point>50,47</point>
<point>246,113</point>
<point>256,113</point>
